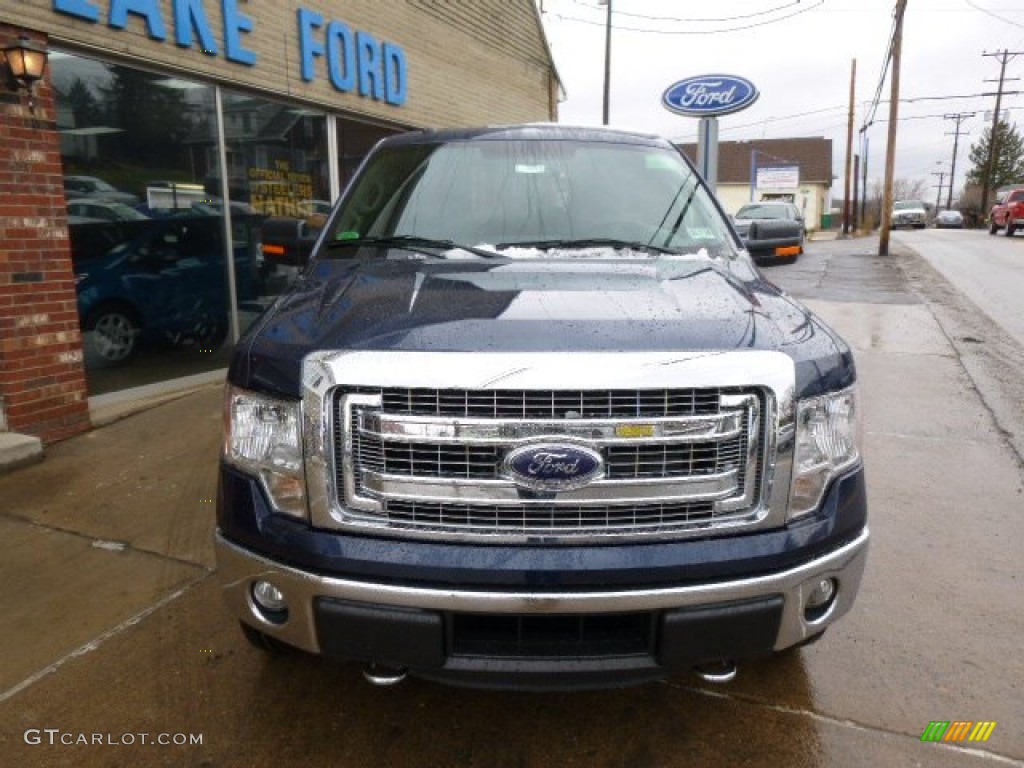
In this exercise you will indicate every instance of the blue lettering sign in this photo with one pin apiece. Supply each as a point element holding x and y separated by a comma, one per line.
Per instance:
<point>147,9</point>
<point>234,25</point>
<point>80,9</point>
<point>341,56</point>
<point>190,15</point>
<point>394,74</point>
<point>308,46</point>
<point>355,59</point>
<point>371,78</point>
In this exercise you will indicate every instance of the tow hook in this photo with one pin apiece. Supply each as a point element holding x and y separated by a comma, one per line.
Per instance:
<point>717,672</point>
<point>382,675</point>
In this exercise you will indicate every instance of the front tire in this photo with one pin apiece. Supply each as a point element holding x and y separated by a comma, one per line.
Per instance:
<point>1010,229</point>
<point>112,335</point>
<point>992,227</point>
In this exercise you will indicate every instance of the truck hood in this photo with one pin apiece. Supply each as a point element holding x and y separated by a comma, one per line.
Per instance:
<point>524,305</point>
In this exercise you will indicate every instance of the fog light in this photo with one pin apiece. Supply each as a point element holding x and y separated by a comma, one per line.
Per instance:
<point>270,602</point>
<point>820,599</point>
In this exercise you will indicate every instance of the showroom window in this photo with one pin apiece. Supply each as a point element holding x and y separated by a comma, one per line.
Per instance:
<point>145,195</point>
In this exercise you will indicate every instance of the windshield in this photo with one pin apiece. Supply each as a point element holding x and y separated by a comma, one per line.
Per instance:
<point>529,197</point>
<point>901,205</point>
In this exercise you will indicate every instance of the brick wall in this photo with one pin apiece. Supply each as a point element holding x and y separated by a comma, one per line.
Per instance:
<point>42,379</point>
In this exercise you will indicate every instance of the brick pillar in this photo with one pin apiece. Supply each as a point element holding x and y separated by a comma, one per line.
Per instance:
<point>42,378</point>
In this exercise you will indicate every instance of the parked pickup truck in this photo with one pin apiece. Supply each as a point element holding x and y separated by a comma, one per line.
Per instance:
<point>771,230</point>
<point>909,213</point>
<point>532,418</point>
<point>1008,213</point>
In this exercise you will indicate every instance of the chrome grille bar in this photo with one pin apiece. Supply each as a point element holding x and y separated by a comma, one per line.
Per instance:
<point>548,404</point>
<point>477,431</point>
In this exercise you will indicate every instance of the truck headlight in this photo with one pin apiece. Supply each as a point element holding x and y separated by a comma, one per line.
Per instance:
<point>827,442</point>
<point>263,436</point>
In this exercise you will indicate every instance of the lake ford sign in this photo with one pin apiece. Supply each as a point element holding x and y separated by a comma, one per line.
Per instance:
<point>709,95</point>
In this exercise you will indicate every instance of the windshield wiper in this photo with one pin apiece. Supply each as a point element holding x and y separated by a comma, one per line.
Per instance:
<point>425,245</point>
<point>591,242</point>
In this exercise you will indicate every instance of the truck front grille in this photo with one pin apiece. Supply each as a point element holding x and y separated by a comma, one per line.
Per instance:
<point>424,461</point>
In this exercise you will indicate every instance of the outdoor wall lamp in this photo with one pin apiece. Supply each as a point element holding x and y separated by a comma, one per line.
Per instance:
<point>25,62</point>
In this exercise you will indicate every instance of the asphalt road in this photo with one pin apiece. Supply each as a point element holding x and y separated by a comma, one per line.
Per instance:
<point>115,626</point>
<point>987,269</point>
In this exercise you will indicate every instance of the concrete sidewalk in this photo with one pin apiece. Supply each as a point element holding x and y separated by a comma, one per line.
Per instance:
<point>17,450</point>
<point>108,568</point>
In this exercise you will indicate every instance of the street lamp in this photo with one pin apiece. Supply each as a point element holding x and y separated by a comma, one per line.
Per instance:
<point>25,62</point>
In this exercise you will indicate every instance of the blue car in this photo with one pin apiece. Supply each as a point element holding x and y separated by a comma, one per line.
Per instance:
<point>158,280</point>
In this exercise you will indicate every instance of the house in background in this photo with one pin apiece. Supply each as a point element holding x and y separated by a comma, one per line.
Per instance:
<point>794,170</point>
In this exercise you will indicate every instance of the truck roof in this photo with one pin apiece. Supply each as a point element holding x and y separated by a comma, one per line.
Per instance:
<point>530,131</point>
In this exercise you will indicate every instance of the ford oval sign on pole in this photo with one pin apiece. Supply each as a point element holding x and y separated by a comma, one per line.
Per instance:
<point>709,95</point>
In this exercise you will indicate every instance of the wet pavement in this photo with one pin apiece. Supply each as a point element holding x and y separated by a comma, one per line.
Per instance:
<point>118,628</point>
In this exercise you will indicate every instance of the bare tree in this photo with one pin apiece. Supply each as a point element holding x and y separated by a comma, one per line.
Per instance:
<point>909,189</point>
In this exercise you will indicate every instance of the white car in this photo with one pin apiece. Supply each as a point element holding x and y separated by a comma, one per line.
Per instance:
<point>909,213</point>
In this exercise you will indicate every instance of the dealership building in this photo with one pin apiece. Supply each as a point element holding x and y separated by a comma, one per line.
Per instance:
<point>793,170</point>
<point>162,132</point>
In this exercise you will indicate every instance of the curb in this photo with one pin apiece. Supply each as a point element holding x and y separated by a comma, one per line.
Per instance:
<point>107,409</point>
<point>18,451</point>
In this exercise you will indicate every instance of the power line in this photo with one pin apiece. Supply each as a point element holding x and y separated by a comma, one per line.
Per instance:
<point>879,121</point>
<point>691,31</point>
<point>873,109</point>
<point>960,96</point>
<point>702,20</point>
<point>994,15</point>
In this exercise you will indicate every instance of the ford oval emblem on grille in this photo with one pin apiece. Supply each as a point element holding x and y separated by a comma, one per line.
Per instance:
<point>553,466</point>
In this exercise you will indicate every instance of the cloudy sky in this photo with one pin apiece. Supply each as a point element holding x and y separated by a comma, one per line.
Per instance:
<point>799,54</point>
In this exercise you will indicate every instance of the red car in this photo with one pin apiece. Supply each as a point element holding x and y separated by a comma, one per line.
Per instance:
<point>1007,212</point>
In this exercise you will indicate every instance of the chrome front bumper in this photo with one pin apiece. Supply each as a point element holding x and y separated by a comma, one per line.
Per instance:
<point>238,569</point>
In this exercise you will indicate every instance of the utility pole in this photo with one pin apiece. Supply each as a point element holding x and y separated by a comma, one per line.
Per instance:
<point>607,58</point>
<point>856,192</point>
<point>940,185</point>
<point>849,150</point>
<point>959,117</point>
<point>864,177</point>
<point>890,148</point>
<point>1003,57</point>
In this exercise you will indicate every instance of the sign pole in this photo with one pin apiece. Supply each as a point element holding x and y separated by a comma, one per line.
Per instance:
<point>753,175</point>
<point>707,152</point>
<point>707,97</point>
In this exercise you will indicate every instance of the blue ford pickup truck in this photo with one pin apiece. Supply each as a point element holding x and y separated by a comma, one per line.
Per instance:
<point>532,418</point>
